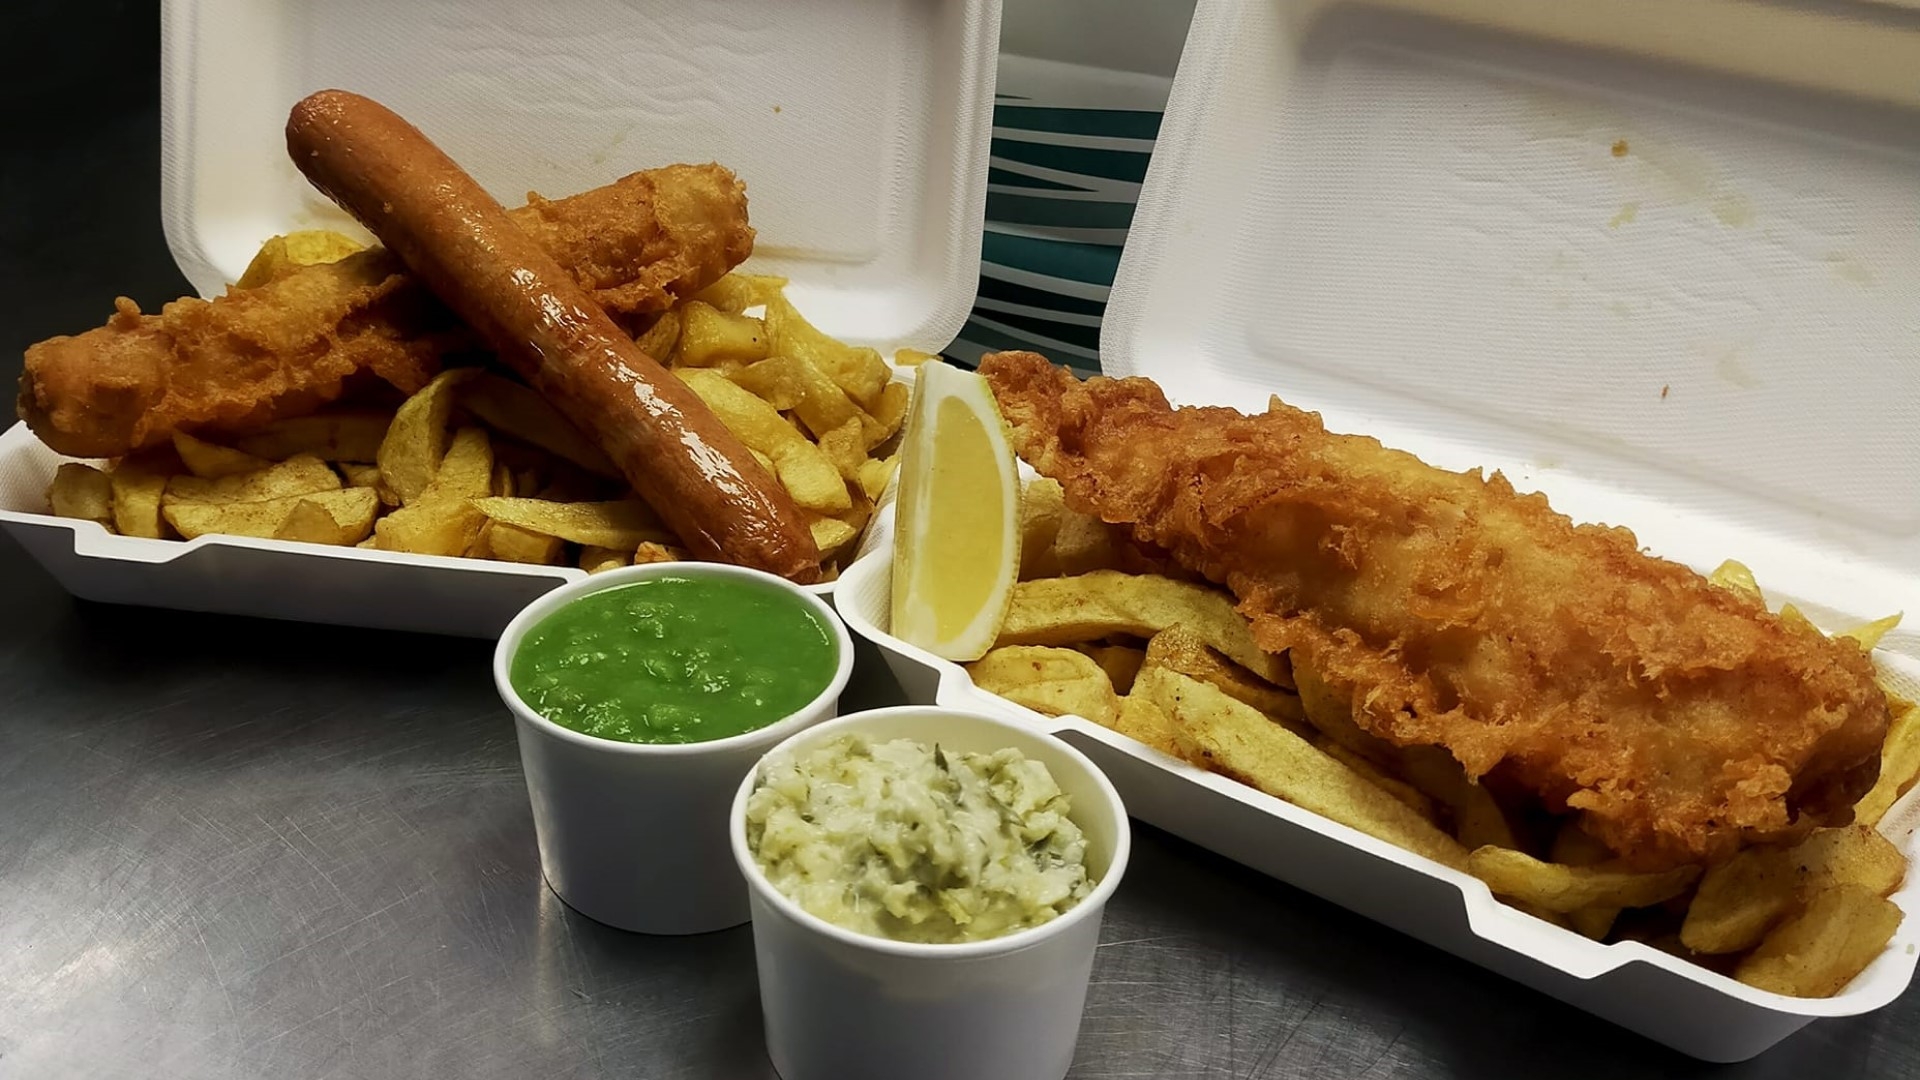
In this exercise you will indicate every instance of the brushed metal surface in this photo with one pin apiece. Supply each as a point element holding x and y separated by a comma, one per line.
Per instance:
<point>238,849</point>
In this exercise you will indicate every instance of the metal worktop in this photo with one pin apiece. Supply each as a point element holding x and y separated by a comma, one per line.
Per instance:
<point>232,848</point>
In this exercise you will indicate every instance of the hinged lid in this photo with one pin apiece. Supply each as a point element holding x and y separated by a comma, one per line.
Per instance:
<point>860,126</point>
<point>1659,261</point>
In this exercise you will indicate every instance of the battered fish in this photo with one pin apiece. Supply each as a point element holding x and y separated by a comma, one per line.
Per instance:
<point>292,344</point>
<point>1676,718</point>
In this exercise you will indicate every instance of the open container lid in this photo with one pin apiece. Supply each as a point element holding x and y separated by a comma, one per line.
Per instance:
<point>1661,262</point>
<point>860,126</point>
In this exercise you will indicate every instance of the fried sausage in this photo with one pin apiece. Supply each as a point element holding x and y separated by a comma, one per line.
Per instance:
<point>674,451</point>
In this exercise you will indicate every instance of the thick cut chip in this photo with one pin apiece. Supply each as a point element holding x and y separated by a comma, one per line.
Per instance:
<point>1562,889</point>
<point>1090,607</point>
<point>466,472</point>
<point>447,527</point>
<point>1043,508</point>
<point>1238,741</point>
<point>658,340</point>
<point>1178,648</point>
<point>832,536</point>
<point>265,518</point>
<point>912,357</point>
<point>861,373</point>
<point>1741,898</point>
<point>736,292</point>
<point>139,483</point>
<point>209,461</point>
<point>1048,680</point>
<point>340,518</point>
<point>709,336</point>
<point>802,468</point>
<point>409,455</point>
<point>845,447</point>
<point>1574,846</point>
<point>1122,663</point>
<point>1146,723</point>
<point>1899,763</point>
<point>889,412</point>
<point>282,254</point>
<point>875,473</point>
<point>1819,951</point>
<point>82,491</point>
<point>333,436</point>
<point>523,413</point>
<point>1399,789</point>
<point>623,525</point>
<point>300,475</point>
<point>510,543</point>
<point>792,385</point>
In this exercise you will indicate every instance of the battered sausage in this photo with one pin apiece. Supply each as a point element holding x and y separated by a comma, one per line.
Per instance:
<point>455,237</point>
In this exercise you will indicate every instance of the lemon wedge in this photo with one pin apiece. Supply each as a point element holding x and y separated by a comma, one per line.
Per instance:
<point>957,542</point>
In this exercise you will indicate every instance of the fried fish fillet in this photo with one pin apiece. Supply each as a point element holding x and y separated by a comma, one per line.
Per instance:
<point>1676,718</point>
<point>293,343</point>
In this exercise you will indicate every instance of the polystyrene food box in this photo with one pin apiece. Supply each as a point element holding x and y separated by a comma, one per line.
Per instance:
<point>866,193</point>
<point>1636,255</point>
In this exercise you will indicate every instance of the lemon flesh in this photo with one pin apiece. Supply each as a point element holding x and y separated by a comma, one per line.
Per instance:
<point>956,551</point>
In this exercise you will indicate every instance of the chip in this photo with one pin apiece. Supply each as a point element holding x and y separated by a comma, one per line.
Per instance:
<point>523,413</point>
<point>709,336</point>
<point>1819,951</point>
<point>81,491</point>
<point>1741,898</point>
<point>624,524</point>
<point>1048,680</point>
<point>859,373</point>
<point>1899,763</point>
<point>1237,740</point>
<point>409,455</point>
<point>1562,889</point>
<point>331,436</point>
<point>266,518</point>
<point>595,559</point>
<point>300,475</point>
<point>1094,606</point>
<point>210,462</point>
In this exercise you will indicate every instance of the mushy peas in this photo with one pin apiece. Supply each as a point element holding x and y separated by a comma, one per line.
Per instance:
<point>675,660</point>
<point>899,840</point>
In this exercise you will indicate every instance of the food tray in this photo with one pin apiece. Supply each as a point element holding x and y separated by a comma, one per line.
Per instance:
<point>866,193</point>
<point>1634,255</point>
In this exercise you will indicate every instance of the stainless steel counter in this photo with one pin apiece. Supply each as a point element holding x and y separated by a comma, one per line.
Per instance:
<point>242,849</point>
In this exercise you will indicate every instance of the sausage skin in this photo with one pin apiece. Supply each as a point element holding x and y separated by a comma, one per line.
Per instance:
<point>675,452</point>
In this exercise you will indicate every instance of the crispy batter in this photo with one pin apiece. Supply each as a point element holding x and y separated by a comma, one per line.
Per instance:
<point>290,345</point>
<point>1675,717</point>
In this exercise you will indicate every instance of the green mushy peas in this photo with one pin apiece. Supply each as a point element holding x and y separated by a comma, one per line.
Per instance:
<point>675,660</point>
<point>903,841</point>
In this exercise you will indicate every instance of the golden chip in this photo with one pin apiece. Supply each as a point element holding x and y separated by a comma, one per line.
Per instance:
<point>409,455</point>
<point>1048,680</point>
<point>139,482</point>
<point>265,518</point>
<point>1819,951</point>
<point>1562,889</point>
<point>709,336</point>
<point>523,413</point>
<point>208,461</point>
<point>659,339</point>
<point>303,474</point>
<point>82,491</point>
<point>1091,607</point>
<point>1239,741</point>
<point>860,373</point>
<point>341,518</point>
<point>284,253</point>
<point>337,436</point>
<point>510,543</point>
<point>623,525</point>
<point>736,292</point>
<point>1743,896</point>
<point>802,468</point>
<point>1899,763</point>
